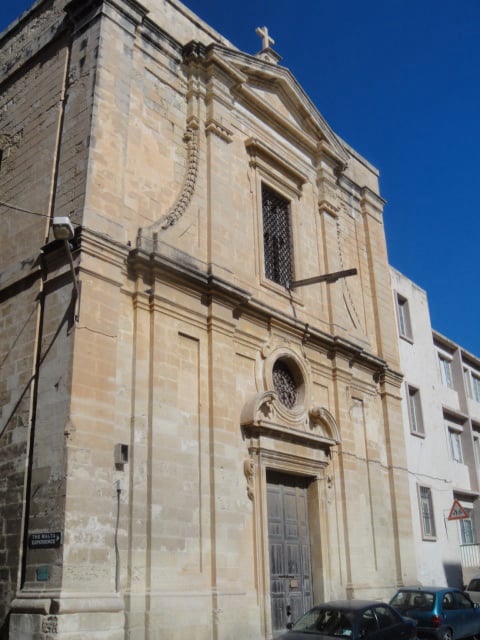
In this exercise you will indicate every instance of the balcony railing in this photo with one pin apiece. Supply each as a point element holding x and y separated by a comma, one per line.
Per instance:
<point>470,555</point>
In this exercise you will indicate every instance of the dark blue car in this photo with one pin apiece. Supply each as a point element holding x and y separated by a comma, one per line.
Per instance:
<point>441,613</point>
<point>354,619</point>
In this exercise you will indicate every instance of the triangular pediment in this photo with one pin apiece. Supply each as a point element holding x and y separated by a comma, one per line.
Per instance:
<point>279,99</point>
<point>274,93</point>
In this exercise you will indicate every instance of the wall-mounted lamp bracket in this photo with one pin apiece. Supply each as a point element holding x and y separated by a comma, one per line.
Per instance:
<point>63,230</point>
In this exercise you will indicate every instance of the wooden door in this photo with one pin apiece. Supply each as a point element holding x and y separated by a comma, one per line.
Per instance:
<point>289,546</point>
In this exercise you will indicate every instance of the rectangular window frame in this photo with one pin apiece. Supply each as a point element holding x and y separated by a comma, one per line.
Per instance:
<point>466,530</point>
<point>271,168</point>
<point>468,382</point>
<point>475,387</point>
<point>278,260</point>
<point>415,413</point>
<point>427,513</point>
<point>445,365</point>
<point>476,444</point>
<point>403,317</point>
<point>455,444</point>
<point>471,378</point>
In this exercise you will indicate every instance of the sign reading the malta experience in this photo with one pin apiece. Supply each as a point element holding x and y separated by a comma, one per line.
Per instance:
<point>46,540</point>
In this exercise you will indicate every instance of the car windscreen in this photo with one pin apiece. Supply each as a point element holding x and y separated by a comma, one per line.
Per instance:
<point>422,601</point>
<point>474,585</point>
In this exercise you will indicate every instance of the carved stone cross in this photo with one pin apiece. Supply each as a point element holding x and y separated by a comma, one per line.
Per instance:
<point>266,39</point>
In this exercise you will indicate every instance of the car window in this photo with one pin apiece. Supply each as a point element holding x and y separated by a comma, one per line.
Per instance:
<point>385,617</point>
<point>330,622</point>
<point>309,621</point>
<point>368,622</point>
<point>448,601</point>
<point>413,599</point>
<point>462,602</point>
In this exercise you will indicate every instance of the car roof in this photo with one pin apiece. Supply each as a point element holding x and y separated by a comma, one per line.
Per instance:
<point>428,589</point>
<point>349,604</point>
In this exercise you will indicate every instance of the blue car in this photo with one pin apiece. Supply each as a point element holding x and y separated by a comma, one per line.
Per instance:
<point>354,619</point>
<point>441,613</point>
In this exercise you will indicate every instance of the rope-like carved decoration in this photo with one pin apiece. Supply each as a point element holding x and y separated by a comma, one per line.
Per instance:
<point>176,212</point>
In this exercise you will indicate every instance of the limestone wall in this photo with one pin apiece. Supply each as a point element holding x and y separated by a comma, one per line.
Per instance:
<point>155,136</point>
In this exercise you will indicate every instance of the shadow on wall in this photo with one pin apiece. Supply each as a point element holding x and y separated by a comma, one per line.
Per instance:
<point>453,574</point>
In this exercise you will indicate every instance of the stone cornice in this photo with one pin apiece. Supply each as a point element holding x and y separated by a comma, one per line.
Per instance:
<point>40,35</point>
<point>371,202</point>
<point>176,266</point>
<point>259,150</point>
<point>80,12</point>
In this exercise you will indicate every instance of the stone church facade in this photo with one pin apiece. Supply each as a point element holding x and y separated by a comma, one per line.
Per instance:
<point>194,443</point>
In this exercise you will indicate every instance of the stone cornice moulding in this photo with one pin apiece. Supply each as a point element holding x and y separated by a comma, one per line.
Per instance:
<point>13,57</point>
<point>289,462</point>
<point>55,602</point>
<point>192,273</point>
<point>263,413</point>
<point>259,151</point>
<point>219,130</point>
<point>103,247</point>
<point>81,12</point>
<point>371,203</point>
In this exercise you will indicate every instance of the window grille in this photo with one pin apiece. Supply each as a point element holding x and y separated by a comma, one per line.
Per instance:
<point>284,384</point>
<point>277,243</point>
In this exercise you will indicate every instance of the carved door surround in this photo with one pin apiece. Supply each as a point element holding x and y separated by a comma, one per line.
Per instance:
<point>288,433</point>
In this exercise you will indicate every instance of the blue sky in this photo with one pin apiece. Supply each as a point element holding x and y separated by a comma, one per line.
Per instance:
<point>399,81</point>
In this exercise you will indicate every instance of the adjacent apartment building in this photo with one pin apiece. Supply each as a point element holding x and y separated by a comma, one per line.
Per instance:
<point>441,406</point>
<point>194,444</point>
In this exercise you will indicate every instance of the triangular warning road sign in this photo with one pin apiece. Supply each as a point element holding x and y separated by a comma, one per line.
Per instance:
<point>457,512</point>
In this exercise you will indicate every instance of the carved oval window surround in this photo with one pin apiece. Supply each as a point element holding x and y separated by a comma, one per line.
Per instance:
<point>285,373</point>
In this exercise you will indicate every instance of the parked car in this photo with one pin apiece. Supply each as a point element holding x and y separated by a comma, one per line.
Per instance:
<point>473,589</point>
<point>441,613</point>
<point>354,619</point>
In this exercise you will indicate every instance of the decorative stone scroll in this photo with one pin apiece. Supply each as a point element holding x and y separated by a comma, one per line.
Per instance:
<point>322,421</point>
<point>262,416</point>
<point>249,471</point>
<point>9,142</point>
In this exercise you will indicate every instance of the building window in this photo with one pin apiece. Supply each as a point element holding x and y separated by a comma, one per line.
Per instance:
<point>426,513</point>
<point>285,384</point>
<point>467,382</point>
<point>277,243</point>
<point>476,444</point>
<point>415,410</point>
<point>455,438</point>
<point>476,387</point>
<point>465,526</point>
<point>403,315</point>
<point>445,371</point>
<point>472,383</point>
